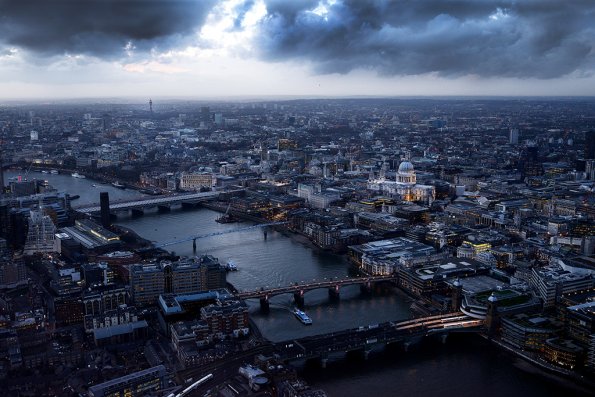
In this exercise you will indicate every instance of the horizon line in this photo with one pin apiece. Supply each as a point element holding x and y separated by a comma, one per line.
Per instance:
<point>288,97</point>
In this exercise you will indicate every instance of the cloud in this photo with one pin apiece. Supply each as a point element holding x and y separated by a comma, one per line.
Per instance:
<point>106,29</point>
<point>153,66</point>
<point>520,39</point>
<point>542,39</point>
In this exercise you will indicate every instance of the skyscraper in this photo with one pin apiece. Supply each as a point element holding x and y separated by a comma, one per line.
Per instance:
<point>205,115</point>
<point>1,174</point>
<point>513,136</point>
<point>590,145</point>
<point>105,212</point>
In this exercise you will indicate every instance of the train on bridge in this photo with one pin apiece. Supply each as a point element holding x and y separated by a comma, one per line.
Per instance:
<point>366,337</point>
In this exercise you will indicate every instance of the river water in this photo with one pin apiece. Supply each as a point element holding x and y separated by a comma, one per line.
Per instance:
<point>465,365</point>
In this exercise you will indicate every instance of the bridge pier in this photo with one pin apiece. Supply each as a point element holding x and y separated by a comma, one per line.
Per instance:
<point>323,361</point>
<point>333,293</point>
<point>367,353</point>
<point>137,212</point>
<point>164,208</point>
<point>443,338</point>
<point>366,289</point>
<point>187,206</point>
<point>298,299</point>
<point>194,246</point>
<point>264,304</point>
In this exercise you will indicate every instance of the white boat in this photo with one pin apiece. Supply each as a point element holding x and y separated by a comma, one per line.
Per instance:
<point>302,316</point>
<point>77,175</point>
<point>44,171</point>
<point>94,185</point>
<point>231,266</point>
<point>54,172</point>
<point>118,185</point>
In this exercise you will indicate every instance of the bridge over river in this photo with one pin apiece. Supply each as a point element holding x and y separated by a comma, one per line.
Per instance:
<point>365,338</point>
<point>299,289</point>
<point>161,202</point>
<point>361,339</point>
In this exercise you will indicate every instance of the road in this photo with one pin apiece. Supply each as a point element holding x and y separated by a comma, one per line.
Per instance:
<point>221,369</point>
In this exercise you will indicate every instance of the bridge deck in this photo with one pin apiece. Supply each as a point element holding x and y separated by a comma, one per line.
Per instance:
<point>261,293</point>
<point>364,337</point>
<point>153,201</point>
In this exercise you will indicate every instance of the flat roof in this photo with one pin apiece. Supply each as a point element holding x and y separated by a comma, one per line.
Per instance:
<point>159,369</point>
<point>120,329</point>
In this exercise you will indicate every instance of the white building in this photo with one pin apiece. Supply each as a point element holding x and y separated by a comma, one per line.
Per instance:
<point>405,186</point>
<point>41,234</point>
<point>315,196</point>
<point>558,278</point>
<point>195,181</point>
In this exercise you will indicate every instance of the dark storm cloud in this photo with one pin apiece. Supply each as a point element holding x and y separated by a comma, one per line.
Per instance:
<point>98,27</point>
<point>529,38</point>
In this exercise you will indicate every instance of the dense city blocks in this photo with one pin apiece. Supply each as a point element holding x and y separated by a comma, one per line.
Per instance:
<point>152,248</point>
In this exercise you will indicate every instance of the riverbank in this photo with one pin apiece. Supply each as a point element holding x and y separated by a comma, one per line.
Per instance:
<point>100,178</point>
<point>546,369</point>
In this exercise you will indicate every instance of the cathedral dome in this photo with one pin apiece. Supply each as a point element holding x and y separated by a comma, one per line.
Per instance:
<point>406,168</point>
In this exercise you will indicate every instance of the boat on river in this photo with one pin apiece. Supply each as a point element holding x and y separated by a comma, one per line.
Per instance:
<point>302,316</point>
<point>231,266</point>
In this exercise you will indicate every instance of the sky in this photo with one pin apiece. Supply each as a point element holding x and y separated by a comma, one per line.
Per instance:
<point>309,48</point>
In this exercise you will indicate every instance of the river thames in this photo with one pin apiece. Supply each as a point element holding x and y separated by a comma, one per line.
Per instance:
<point>464,366</point>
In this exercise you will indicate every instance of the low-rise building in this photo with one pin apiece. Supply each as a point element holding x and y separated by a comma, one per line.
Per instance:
<point>134,385</point>
<point>529,332</point>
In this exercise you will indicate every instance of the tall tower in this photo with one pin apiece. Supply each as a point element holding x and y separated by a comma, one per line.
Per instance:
<point>590,145</point>
<point>1,173</point>
<point>492,318</point>
<point>513,136</point>
<point>104,205</point>
<point>457,295</point>
<point>151,105</point>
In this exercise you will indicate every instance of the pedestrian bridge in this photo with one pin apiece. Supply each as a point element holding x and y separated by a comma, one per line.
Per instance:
<point>139,204</point>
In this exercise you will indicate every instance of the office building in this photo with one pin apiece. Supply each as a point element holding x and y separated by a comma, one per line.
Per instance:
<point>96,274</point>
<point>529,332</point>
<point>96,302</point>
<point>228,317</point>
<point>513,136</point>
<point>136,384</point>
<point>41,234</point>
<point>196,181</point>
<point>551,282</point>
<point>12,272</point>
<point>384,257</point>
<point>147,282</point>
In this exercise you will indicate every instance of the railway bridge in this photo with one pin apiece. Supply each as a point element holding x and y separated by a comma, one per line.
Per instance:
<point>365,338</point>
<point>137,206</point>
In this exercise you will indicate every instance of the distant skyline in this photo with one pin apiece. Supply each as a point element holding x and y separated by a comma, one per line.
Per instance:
<point>251,48</point>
